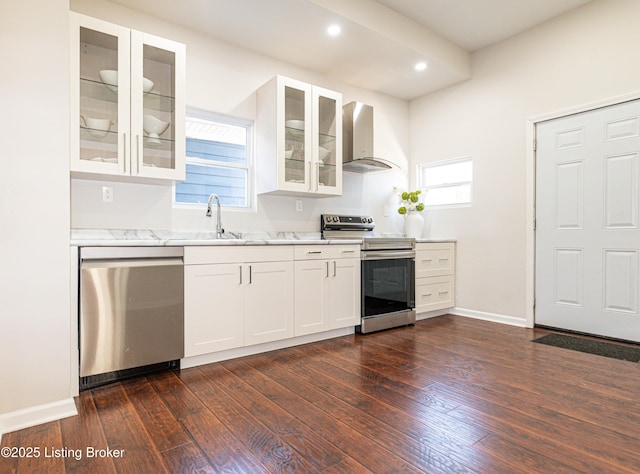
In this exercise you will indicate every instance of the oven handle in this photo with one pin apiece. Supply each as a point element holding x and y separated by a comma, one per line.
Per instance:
<point>385,255</point>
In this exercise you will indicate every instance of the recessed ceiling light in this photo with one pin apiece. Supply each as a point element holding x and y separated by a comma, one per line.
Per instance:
<point>334,30</point>
<point>421,66</point>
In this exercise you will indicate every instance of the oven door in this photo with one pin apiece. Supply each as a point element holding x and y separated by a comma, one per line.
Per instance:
<point>388,282</point>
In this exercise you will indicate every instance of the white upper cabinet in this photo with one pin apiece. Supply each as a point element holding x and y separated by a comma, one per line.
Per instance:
<point>127,102</point>
<point>299,139</point>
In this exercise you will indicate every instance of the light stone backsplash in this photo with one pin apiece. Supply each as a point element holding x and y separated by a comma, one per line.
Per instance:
<point>150,206</point>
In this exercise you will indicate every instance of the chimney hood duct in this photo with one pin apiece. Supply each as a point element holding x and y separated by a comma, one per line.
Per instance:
<point>357,140</point>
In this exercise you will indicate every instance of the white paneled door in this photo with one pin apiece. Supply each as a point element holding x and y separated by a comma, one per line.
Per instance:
<point>587,234</point>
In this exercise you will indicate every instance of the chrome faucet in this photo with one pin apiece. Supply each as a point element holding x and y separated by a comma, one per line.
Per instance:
<point>219,229</point>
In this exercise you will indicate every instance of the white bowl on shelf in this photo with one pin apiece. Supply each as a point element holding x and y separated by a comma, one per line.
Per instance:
<point>104,160</point>
<point>96,127</point>
<point>147,85</point>
<point>323,153</point>
<point>295,127</point>
<point>110,79</point>
<point>154,127</point>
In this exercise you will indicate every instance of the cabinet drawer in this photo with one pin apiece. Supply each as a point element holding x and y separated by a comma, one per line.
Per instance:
<point>434,293</point>
<point>435,259</point>
<point>324,252</point>
<point>200,255</point>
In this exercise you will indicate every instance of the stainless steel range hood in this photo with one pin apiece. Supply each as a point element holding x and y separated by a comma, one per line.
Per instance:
<point>357,140</point>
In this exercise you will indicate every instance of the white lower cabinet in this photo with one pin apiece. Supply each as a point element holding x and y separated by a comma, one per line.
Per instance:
<point>434,293</point>
<point>237,297</point>
<point>344,292</point>
<point>268,302</point>
<point>435,276</point>
<point>214,308</point>
<point>311,297</point>
<point>327,288</point>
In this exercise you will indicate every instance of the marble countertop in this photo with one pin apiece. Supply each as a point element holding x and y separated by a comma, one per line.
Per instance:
<point>140,237</point>
<point>146,237</point>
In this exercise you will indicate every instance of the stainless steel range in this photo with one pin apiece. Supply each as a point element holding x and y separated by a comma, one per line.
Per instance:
<point>388,272</point>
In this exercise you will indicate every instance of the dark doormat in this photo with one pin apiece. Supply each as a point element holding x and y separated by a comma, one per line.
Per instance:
<point>601,348</point>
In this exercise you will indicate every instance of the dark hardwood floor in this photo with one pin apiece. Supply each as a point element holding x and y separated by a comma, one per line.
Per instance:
<point>450,394</point>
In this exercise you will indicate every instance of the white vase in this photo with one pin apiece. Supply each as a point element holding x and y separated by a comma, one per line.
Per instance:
<point>413,224</point>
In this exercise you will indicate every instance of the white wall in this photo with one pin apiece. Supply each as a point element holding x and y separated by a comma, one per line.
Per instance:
<point>34,208</point>
<point>224,78</point>
<point>586,56</point>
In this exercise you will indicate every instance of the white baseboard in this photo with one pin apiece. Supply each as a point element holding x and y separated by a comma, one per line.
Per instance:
<point>36,415</point>
<point>496,318</point>
<point>195,361</point>
<point>432,314</point>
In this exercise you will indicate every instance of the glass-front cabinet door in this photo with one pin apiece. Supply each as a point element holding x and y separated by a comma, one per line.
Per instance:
<point>157,106</point>
<point>127,102</point>
<point>328,141</point>
<point>100,120</point>
<point>295,173</point>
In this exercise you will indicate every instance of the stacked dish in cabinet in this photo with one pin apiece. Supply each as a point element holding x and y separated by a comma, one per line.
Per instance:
<point>128,111</point>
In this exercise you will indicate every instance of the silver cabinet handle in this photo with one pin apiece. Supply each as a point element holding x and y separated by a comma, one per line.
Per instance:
<point>347,251</point>
<point>125,156</point>
<point>326,264</point>
<point>442,292</point>
<point>240,267</point>
<point>313,252</point>
<point>250,275</point>
<point>137,154</point>
<point>334,268</point>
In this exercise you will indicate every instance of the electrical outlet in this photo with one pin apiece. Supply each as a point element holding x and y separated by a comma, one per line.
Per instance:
<point>299,205</point>
<point>107,194</point>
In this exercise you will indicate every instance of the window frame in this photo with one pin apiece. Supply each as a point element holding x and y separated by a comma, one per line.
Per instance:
<point>422,167</point>
<point>249,125</point>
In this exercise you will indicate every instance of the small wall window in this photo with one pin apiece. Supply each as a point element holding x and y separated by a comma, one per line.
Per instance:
<point>218,160</point>
<point>447,183</point>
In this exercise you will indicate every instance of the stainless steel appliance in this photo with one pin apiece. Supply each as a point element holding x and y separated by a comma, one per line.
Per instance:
<point>388,272</point>
<point>357,140</point>
<point>131,311</point>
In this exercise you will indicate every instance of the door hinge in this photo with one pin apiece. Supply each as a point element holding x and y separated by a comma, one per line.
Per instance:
<point>535,144</point>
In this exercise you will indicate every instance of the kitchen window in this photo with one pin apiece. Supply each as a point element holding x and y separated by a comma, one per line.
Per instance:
<point>218,160</point>
<point>446,183</point>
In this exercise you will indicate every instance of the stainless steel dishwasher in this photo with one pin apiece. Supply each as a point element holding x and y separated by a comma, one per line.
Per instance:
<point>131,311</point>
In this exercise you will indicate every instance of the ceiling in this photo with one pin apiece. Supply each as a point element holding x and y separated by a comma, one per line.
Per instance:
<point>380,40</point>
<point>474,24</point>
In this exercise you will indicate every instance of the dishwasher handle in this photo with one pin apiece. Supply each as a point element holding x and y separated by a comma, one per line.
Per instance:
<point>129,263</point>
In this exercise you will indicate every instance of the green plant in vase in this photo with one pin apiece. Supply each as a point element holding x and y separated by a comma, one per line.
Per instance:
<point>410,201</point>
<point>410,207</point>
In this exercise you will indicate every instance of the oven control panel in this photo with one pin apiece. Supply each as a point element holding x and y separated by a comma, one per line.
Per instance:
<point>337,226</point>
<point>334,220</point>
